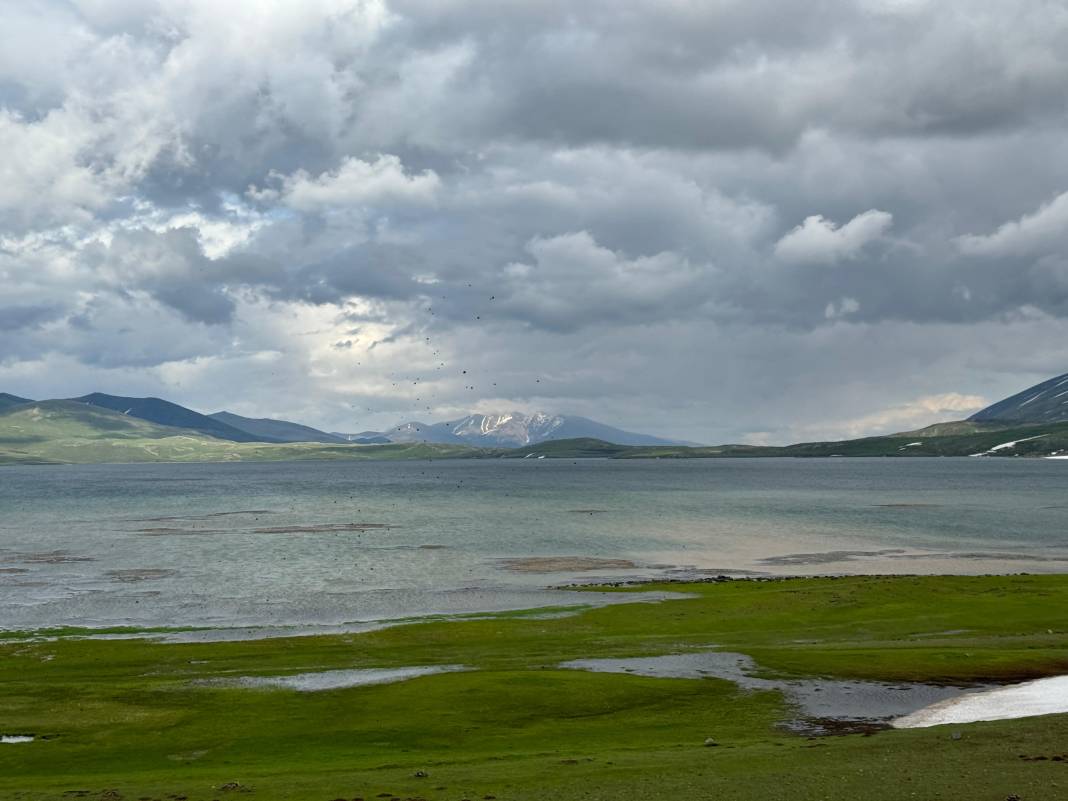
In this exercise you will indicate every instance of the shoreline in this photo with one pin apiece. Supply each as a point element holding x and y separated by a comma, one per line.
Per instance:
<point>726,579</point>
<point>615,592</point>
<point>761,677</point>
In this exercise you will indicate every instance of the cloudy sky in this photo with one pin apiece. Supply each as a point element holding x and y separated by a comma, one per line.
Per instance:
<point>728,220</point>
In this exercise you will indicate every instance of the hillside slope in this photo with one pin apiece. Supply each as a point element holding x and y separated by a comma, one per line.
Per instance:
<point>7,401</point>
<point>267,429</point>
<point>165,413</point>
<point>1043,403</point>
<point>71,432</point>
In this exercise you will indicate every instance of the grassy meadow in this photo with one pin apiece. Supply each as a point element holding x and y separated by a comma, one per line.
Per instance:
<point>137,719</point>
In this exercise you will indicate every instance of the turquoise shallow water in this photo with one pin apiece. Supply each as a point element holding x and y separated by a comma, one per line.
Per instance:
<point>331,543</point>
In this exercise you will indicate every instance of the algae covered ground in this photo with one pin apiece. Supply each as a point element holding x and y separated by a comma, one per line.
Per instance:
<point>139,719</point>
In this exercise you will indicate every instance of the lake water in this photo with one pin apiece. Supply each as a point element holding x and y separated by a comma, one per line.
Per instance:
<point>330,544</point>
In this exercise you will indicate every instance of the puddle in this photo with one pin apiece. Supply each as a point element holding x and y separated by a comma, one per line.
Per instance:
<point>1039,697</point>
<point>824,704</point>
<point>335,679</point>
<point>17,738</point>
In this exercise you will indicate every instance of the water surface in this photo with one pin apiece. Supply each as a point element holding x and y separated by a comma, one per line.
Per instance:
<point>333,543</point>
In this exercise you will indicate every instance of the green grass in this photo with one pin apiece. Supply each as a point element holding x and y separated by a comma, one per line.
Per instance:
<point>946,439</point>
<point>128,715</point>
<point>68,432</point>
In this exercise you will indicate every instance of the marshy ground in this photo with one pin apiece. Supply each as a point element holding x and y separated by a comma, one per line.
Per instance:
<point>138,719</point>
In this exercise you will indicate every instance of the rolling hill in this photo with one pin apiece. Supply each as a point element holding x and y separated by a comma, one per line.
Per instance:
<point>165,413</point>
<point>7,401</point>
<point>72,432</point>
<point>267,429</point>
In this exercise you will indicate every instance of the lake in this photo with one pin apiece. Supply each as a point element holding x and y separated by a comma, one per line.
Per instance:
<point>333,544</point>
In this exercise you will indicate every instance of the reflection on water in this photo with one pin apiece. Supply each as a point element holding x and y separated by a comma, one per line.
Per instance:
<point>330,544</point>
<point>817,701</point>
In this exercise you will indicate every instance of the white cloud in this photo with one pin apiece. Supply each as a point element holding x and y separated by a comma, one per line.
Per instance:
<point>574,282</point>
<point>904,417</point>
<point>820,241</point>
<point>616,183</point>
<point>1033,233</point>
<point>844,308</point>
<point>43,174</point>
<point>354,183</point>
<point>907,416</point>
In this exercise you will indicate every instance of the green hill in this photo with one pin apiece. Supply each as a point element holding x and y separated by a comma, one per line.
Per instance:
<point>947,439</point>
<point>70,432</point>
<point>165,413</point>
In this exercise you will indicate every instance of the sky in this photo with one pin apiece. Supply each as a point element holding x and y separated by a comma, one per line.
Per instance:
<point>730,220</point>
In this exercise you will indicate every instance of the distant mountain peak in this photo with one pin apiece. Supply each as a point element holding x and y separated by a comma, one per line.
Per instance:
<point>516,429</point>
<point>1043,403</point>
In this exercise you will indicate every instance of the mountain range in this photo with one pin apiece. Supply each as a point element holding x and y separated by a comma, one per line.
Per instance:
<point>516,430</point>
<point>165,413</point>
<point>266,429</point>
<point>479,430</point>
<point>111,428</point>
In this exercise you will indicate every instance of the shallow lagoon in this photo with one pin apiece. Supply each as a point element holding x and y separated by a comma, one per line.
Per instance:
<point>333,543</point>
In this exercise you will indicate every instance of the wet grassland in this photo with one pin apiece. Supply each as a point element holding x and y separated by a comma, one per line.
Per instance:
<point>503,718</point>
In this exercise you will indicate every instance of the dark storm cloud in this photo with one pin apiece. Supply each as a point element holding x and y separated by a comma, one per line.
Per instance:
<point>755,74</point>
<point>170,267</point>
<point>214,197</point>
<point>13,318</point>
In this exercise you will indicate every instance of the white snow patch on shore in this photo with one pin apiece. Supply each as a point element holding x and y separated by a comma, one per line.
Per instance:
<point>1006,445</point>
<point>1040,697</point>
<point>1013,443</point>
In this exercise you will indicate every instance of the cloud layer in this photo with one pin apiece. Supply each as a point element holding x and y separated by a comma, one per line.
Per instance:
<point>724,221</point>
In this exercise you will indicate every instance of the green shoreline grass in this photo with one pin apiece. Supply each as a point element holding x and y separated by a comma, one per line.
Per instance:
<point>129,715</point>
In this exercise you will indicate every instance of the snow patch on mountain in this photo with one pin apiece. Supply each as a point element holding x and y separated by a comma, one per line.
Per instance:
<point>515,430</point>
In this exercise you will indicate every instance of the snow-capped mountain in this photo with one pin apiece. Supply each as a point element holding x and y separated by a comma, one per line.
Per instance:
<point>514,430</point>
